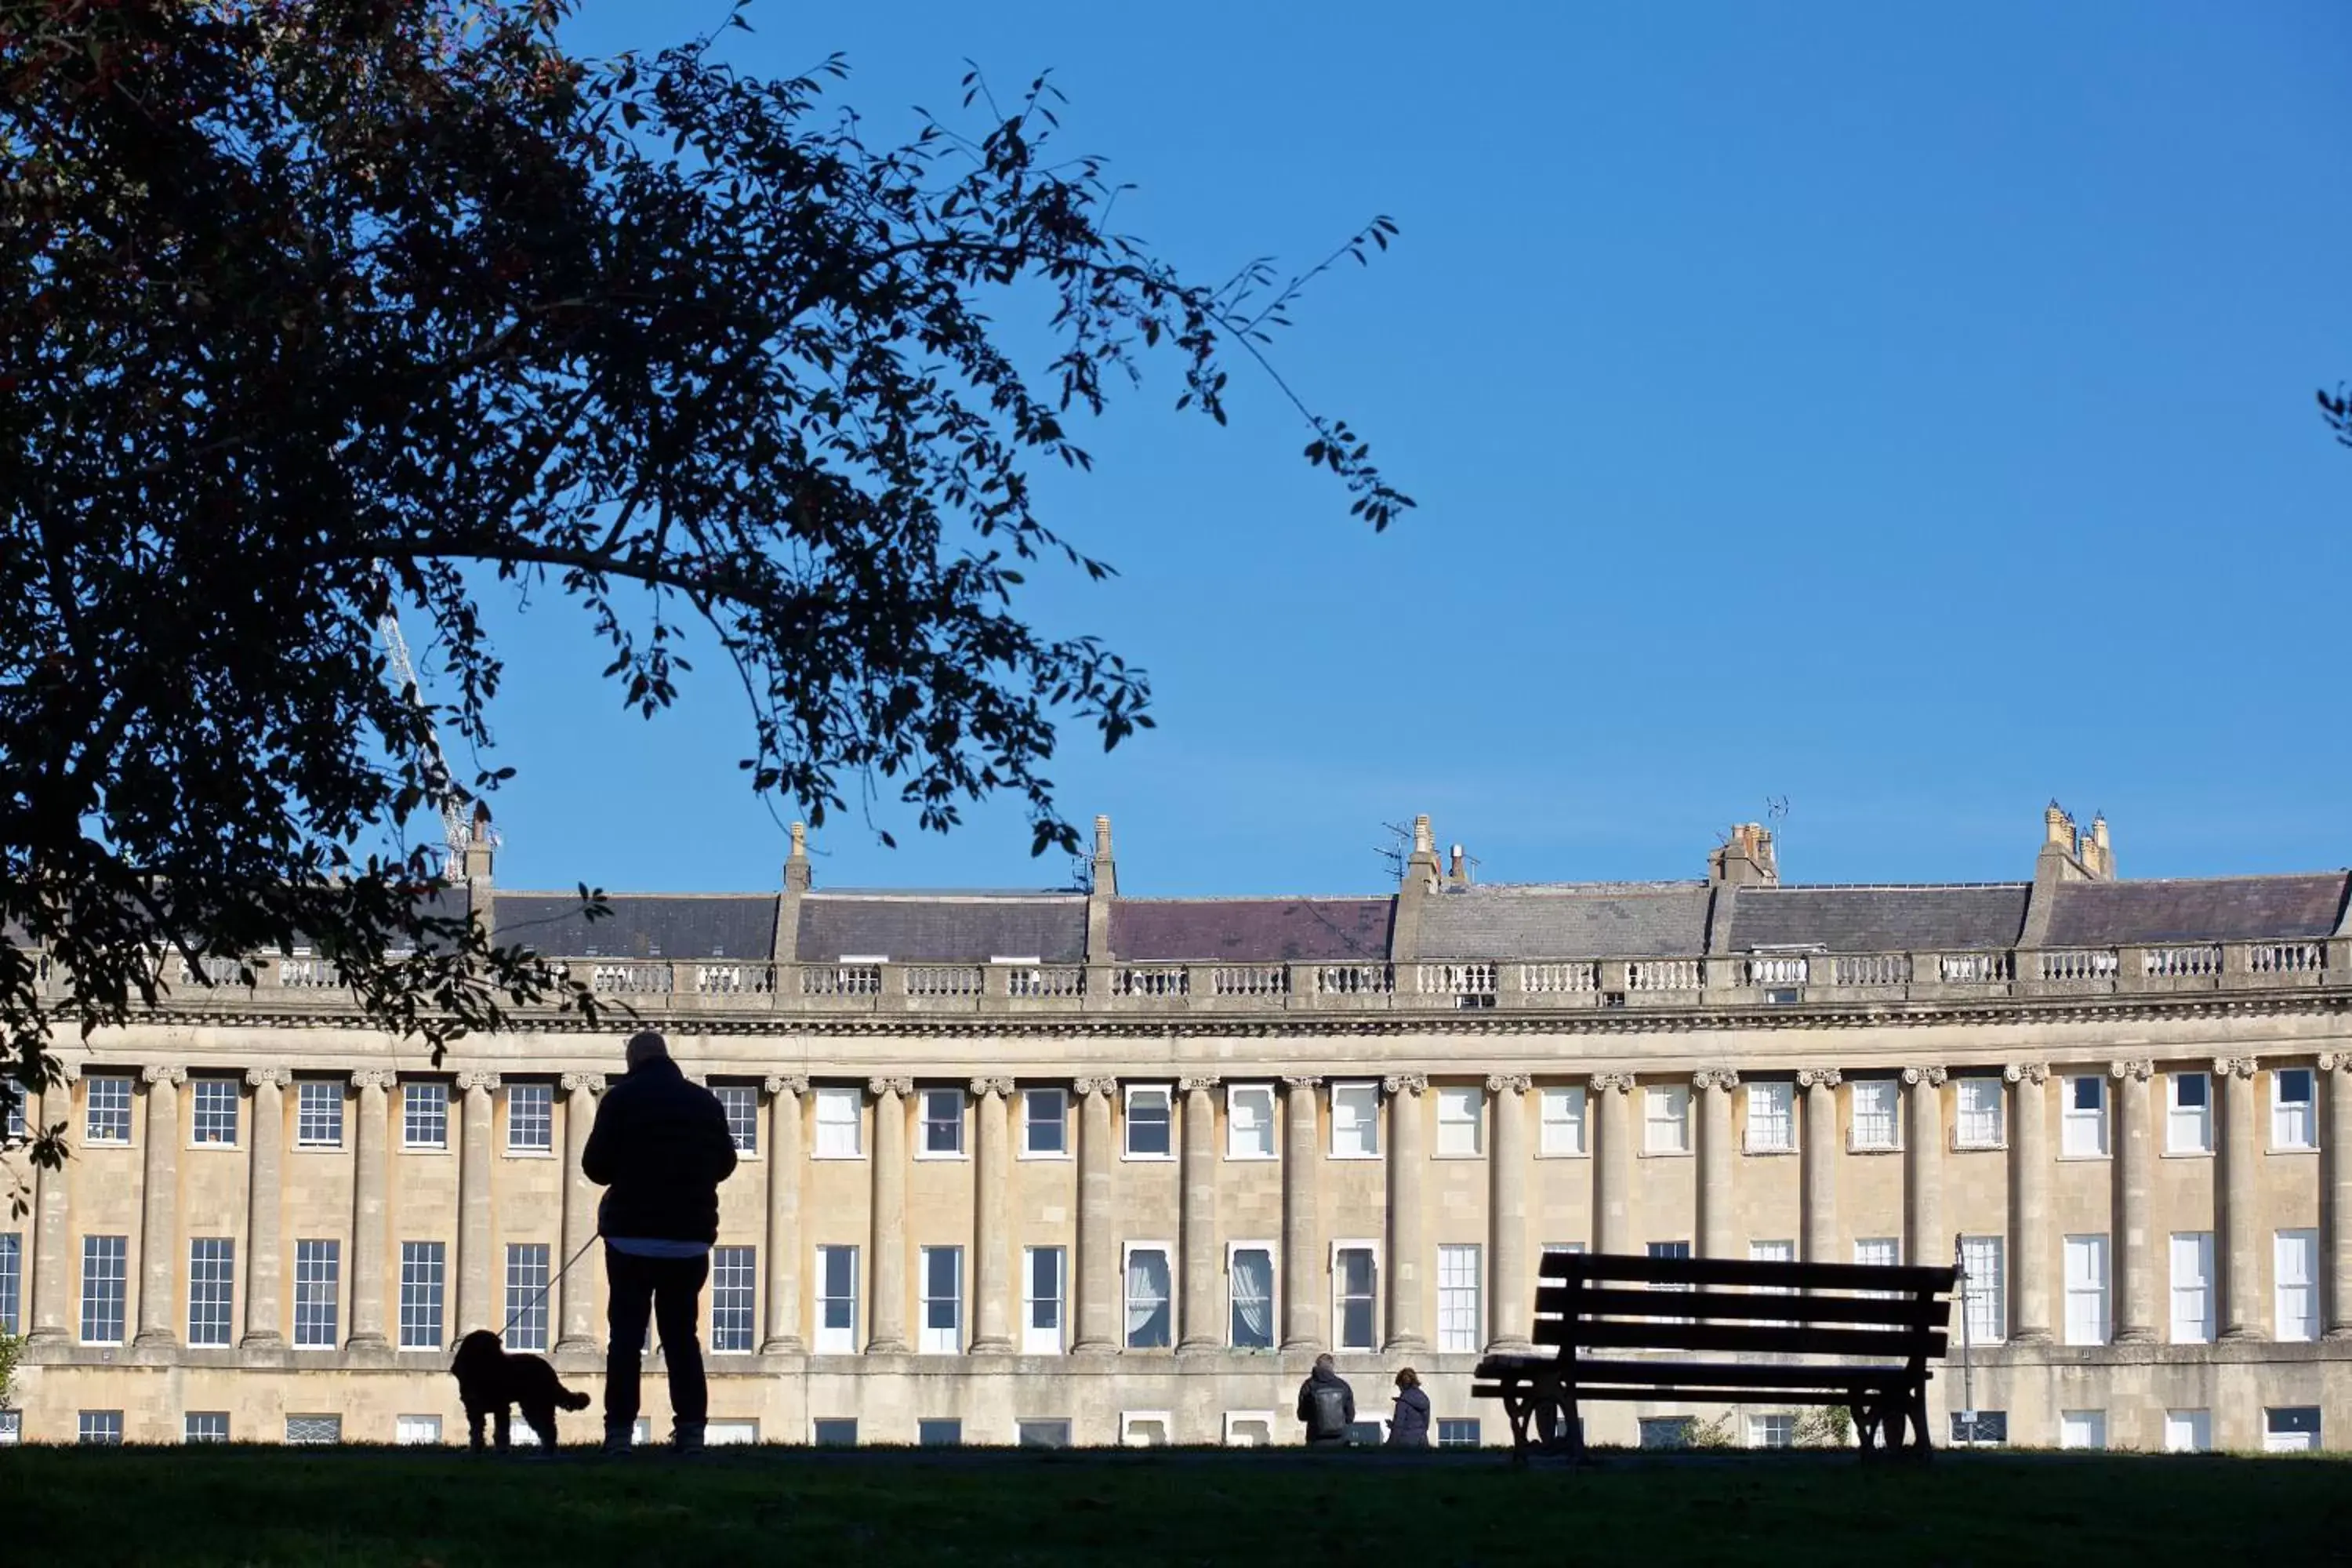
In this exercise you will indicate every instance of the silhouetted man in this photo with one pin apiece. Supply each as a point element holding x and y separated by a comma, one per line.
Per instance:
<point>661,1145</point>
<point>1326,1403</point>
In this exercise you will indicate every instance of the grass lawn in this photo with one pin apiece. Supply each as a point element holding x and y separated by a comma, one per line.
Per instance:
<point>870,1506</point>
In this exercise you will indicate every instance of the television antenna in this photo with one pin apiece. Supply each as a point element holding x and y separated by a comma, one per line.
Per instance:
<point>459,830</point>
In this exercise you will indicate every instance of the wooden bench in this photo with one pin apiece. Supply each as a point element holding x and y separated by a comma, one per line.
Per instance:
<point>1883,1325</point>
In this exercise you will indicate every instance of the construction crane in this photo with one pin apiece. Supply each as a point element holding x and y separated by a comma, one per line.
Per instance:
<point>457,830</point>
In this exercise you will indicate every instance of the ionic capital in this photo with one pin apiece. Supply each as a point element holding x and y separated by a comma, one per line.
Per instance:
<point>2336,1061</point>
<point>1303,1085</point>
<point>2138,1070</point>
<point>156,1073</point>
<point>1714,1078</point>
<point>1398,1083</point>
<point>2235,1066</point>
<point>1818,1077</point>
<point>982,1088</point>
<point>578,1083</point>
<point>1932,1077</point>
<point>1509,1083</point>
<point>1613,1082</point>
<point>275,1077</point>
<point>1086,1088</point>
<point>790,1084</point>
<point>374,1077</point>
<point>1198,1085</point>
<point>475,1078</point>
<point>879,1087</point>
<point>2027,1072</point>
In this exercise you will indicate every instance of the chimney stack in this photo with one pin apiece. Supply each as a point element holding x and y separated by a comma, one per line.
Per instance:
<point>1746,859</point>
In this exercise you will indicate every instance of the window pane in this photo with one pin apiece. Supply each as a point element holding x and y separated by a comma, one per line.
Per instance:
<point>12,1283</point>
<point>741,1101</point>
<point>317,1275</point>
<point>1147,1122</point>
<point>734,1276</point>
<point>216,1110</point>
<point>420,1297</point>
<point>109,1111</point>
<point>212,1283</point>
<point>424,1115</point>
<point>104,1259</point>
<point>1459,1320</point>
<point>1459,1112</point>
<point>942,1122</point>
<point>318,1114</point>
<point>1249,1122</point>
<point>1987,1287</point>
<point>1147,1326</point>
<point>1981,1100</point>
<point>1043,1114</point>
<point>2086,1290</point>
<point>1355,1120</point>
<point>1666,1120</point>
<point>531,1118</point>
<point>1253,1297</point>
<point>2192,1287</point>
<point>1354,1277</point>
<point>1563,1121</point>
<point>527,1292</point>
<point>838,1114</point>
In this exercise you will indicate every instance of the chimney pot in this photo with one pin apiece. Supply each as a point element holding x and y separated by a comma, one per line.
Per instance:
<point>1424,842</point>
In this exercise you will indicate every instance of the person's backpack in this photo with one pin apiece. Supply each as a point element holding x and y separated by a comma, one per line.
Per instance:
<point>1327,1410</point>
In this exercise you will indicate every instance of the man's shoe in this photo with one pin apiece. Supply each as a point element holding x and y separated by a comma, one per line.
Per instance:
<point>686,1438</point>
<point>617,1442</point>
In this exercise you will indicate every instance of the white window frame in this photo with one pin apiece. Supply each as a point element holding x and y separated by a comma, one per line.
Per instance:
<point>2089,1315</point>
<point>530,1289</point>
<point>2083,1132</point>
<point>1054,1341</point>
<point>1250,1417</point>
<point>1169,1260</point>
<point>1461,1338</point>
<point>1978,1085</point>
<point>331,1259</point>
<point>532,1093</point>
<point>114,1290</point>
<point>945,1339</point>
<point>1259,1097</point>
<point>745,1133</point>
<point>212,1291</point>
<point>1989,1326</point>
<point>1030,1097</point>
<point>317,1433</point>
<point>836,1096</point>
<point>2189,1257</point>
<point>1166,1094</point>
<point>2294,1125</point>
<point>111,1083</point>
<point>412,1097</point>
<point>1561,1124</point>
<point>735,1272</point>
<point>2277,1442</point>
<point>838,1341</point>
<point>1273,1251</point>
<point>1371,1246</point>
<point>2189,1431</point>
<point>426,1274</point>
<point>2187,1128</point>
<point>1364,1130</point>
<point>1882,1133</point>
<point>199,1089</point>
<point>416,1431</point>
<point>1676,1128</point>
<point>2085,1430</point>
<point>1129,1420</point>
<point>1761,1427</point>
<point>325,1095</point>
<point>1460,1107</point>
<point>924,1121</point>
<point>1772,1105</point>
<point>2294,1286</point>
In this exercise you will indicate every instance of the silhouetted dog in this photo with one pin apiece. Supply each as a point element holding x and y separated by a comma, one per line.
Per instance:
<point>492,1380</point>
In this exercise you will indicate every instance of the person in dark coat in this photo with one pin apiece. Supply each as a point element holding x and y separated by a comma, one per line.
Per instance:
<point>1326,1403</point>
<point>661,1146</point>
<point>1409,1428</point>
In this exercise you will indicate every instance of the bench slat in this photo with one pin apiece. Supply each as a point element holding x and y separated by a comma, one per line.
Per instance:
<point>1600,1301</point>
<point>1758,1340</point>
<point>1718,1375</point>
<point>1642,1269</point>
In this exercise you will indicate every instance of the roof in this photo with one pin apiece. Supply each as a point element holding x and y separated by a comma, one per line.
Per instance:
<point>943,927</point>
<point>1878,920</point>
<point>1251,929</point>
<point>1566,920</point>
<point>642,925</point>
<point>2220,909</point>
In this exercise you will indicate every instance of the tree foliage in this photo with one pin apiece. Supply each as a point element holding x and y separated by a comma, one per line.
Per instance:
<point>314,310</point>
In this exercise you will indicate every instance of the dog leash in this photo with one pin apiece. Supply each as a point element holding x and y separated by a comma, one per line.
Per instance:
<point>520,1312</point>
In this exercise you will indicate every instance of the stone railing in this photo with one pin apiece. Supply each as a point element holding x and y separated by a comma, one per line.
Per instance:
<point>1554,985</point>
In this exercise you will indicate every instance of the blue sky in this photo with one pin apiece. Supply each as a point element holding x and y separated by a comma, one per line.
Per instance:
<point>1906,411</point>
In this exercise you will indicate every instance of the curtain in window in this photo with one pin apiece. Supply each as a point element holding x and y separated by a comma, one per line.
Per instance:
<point>1147,1300</point>
<point>1252,1301</point>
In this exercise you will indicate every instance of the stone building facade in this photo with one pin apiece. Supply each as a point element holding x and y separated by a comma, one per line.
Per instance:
<point>1075,1167</point>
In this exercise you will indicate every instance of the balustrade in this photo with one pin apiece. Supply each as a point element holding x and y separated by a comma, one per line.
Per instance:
<point>841,980</point>
<point>2079,964</point>
<point>1249,980</point>
<point>734,979</point>
<point>2286,957</point>
<point>1151,980</point>
<point>1976,968</point>
<point>1664,974</point>
<point>629,979</point>
<point>1560,979</point>
<point>2202,959</point>
<point>1776,971</point>
<point>1872,969</point>
<point>943,980</point>
<point>308,974</point>
<point>1354,980</point>
<point>1045,981</point>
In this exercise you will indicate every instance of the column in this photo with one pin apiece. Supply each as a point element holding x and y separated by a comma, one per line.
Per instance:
<point>265,1252</point>
<point>477,1306</point>
<point>1924,1243</point>
<point>1097,1289</point>
<point>991,1269</point>
<point>2336,1234</point>
<point>785,1217</point>
<point>52,1221</point>
<point>2237,1215</point>
<point>1202,1326</point>
<point>2135,1177</point>
<point>159,1227</point>
<point>368,1218</point>
<point>1717,1233</point>
<point>1611,1099</point>
<point>889,1335</point>
<point>2029,1202</point>
<point>576,1292</point>
<point>1510,1298</point>
<point>1303,1315</point>
<point>1407,1266</point>
<point>1819,1154</point>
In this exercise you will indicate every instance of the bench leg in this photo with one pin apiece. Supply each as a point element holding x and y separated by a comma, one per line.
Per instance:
<point>1916,1407</point>
<point>1865,1425</point>
<point>1519,1408</point>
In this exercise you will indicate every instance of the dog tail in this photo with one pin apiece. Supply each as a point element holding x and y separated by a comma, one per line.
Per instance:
<point>570,1399</point>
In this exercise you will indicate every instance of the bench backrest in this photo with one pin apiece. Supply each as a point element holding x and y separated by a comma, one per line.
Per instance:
<point>1618,1301</point>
